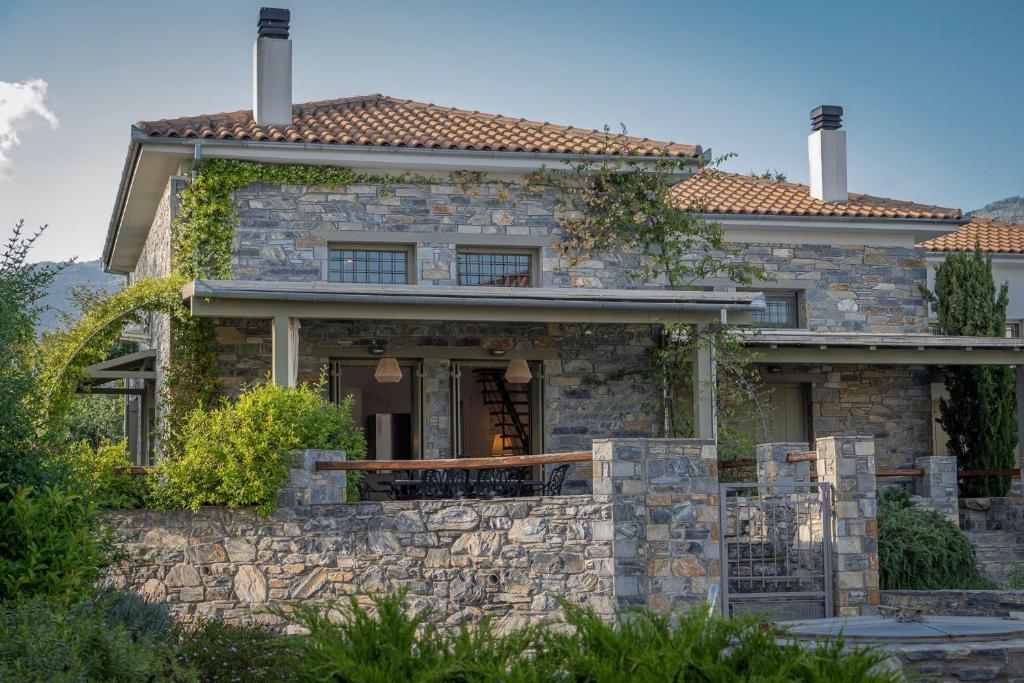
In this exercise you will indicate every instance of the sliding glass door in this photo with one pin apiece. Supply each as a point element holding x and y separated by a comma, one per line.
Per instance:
<point>491,416</point>
<point>390,412</point>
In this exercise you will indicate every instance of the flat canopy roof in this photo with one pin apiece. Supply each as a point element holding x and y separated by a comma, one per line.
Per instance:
<point>802,346</point>
<point>264,299</point>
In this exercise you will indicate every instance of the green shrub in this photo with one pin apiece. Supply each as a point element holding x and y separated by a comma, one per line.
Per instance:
<point>239,454</point>
<point>387,643</point>
<point>41,641</point>
<point>95,472</point>
<point>921,550</point>
<point>130,610</point>
<point>222,653</point>
<point>1017,577</point>
<point>52,544</point>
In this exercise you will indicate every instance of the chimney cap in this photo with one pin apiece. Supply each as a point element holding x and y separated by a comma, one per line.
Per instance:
<point>273,22</point>
<point>826,117</point>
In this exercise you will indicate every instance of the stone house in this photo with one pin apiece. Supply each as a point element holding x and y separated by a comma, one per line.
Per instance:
<point>459,282</point>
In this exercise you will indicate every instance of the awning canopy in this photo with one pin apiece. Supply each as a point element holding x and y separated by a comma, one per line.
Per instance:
<point>308,300</point>
<point>138,365</point>
<point>802,346</point>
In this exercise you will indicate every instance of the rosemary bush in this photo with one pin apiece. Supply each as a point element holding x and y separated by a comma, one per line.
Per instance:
<point>920,550</point>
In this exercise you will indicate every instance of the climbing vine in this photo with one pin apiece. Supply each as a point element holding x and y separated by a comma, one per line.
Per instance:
<point>203,239</point>
<point>618,204</point>
<point>63,356</point>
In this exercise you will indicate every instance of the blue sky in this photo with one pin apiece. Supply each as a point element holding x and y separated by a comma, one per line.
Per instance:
<point>933,91</point>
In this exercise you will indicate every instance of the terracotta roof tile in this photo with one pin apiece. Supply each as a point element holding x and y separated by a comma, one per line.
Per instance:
<point>717,192</point>
<point>388,122</point>
<point>997,237</point>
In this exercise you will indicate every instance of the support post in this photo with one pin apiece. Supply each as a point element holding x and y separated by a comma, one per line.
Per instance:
<point>1015,485</point>
<point>938,487</point>
<point>705,424</point>
<point>284,351</point>
<point>773,465</point>
<point>848,464</point>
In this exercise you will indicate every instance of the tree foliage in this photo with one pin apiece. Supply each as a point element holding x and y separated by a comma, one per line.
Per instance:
<point>979,412</point>
<point>22,284</point>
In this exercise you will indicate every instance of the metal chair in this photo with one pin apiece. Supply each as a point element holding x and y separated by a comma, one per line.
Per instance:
<point>503,482</point>
<point>445,484</point>
<point>555,480</point>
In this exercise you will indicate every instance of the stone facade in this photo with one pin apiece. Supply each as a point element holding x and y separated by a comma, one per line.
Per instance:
<point>892,403</point>
<point>996,528</point>
<point>849,288</point>
<point>848,464</point>
<point>773,463</point>
<point>664,498</point>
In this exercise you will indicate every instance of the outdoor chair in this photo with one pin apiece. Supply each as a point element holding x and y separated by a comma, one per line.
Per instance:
<point>552,486</point>
<point>504,482</point>
<point>445,484</point>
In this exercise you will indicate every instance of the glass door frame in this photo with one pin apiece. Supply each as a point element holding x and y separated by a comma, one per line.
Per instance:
<point>413,365</point>
<point>536,400</point>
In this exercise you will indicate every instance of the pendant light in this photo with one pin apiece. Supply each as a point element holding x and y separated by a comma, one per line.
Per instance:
<point>518,372</point>
<point>388,371</point>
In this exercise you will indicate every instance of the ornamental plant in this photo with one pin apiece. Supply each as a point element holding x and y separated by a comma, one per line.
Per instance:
<point>239,453</point>
<point>102,475</point>
<point>979,415</point>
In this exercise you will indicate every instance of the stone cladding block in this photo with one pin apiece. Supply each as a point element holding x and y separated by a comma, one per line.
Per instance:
<point>848,464</point>
<point>773,464</point>
<point>937,489</point>
<point>306,486</point>
<point>664,501</point>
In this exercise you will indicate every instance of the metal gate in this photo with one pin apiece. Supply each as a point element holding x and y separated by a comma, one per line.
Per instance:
<point>776,548</point>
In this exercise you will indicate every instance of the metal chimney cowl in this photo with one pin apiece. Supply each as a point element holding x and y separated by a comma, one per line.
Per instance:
<point>272,69</point>
<point>826,154</point>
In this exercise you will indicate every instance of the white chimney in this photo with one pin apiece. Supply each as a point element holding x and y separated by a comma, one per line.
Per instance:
<point>272,69</point>
<point>826,154</point>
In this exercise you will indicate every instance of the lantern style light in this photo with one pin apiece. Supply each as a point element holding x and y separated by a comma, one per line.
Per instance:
<point>518,372</point>
<point>388,371</point>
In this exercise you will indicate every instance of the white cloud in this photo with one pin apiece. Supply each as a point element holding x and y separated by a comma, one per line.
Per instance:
<point>20,103</point>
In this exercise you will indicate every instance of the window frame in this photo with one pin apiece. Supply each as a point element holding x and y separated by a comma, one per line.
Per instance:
<point>407,250</point>
<point>798,319</point>
<point>533,256</point>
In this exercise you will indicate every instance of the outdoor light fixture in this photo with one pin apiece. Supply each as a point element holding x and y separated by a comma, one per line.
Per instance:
<point>388,371</point>
<point>518,372</point>
<point>498,352</point>
<point>376,347</point>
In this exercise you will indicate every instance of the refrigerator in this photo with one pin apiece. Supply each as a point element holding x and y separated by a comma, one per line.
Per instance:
<point>389,436</point>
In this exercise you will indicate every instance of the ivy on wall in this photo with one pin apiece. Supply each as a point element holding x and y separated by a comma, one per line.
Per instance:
<point>202,242</point>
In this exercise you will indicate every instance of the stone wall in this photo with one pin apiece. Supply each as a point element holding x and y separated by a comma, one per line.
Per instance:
<point>507,559</point>
<point>648,536</point>
<point>849,288</point>
<point>1006,604</point>
<point>996,528</point>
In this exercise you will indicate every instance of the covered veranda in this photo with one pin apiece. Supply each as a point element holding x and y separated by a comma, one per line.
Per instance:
<point>453,349</point>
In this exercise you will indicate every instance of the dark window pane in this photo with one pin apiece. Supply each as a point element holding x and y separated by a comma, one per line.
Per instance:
<point>494,270</point>
<point>368,266</point>
<point>780,311</point>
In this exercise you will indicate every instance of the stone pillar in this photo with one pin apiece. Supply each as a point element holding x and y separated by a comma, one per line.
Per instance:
<point>306,486</point>
<point>938,487</point>
<point>664,526</point>
<point>848,464</point>
<point>773,464</point>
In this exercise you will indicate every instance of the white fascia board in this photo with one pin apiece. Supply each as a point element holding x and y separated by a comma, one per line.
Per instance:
<point>829,230</point>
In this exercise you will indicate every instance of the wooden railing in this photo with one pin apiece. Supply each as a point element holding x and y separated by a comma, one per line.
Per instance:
<point>456,463</point>
<point>736,463</point>
<point>967,474</point>
<point>899,472</point>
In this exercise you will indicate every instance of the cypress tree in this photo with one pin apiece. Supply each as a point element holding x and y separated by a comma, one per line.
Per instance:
<point>979,414</point>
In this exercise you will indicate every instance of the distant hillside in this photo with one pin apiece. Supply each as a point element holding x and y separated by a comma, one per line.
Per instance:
<point>1009,209</point>
<point>58,298</point>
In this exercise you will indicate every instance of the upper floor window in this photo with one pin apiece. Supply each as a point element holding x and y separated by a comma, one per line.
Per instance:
<point>780,310</point>
<point>371,266</point>
<point>1013,328</point>
<point>495,269</point>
